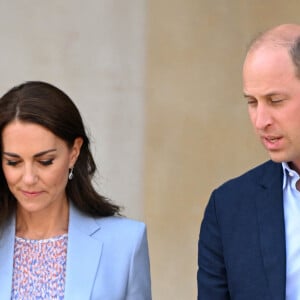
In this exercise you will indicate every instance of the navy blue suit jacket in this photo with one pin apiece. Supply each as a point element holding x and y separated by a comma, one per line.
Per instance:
<point>242,239</point>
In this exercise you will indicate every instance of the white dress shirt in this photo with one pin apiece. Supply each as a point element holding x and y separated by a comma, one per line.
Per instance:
<point>291,204</point>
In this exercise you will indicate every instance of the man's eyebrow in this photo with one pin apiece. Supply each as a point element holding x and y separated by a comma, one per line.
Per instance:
<point>35,155</point>
<point>275,93</point>
<point>271,94</point>
<point>247,95</point>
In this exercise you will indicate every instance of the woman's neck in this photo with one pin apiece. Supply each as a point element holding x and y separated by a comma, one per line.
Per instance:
<point>43,224</point>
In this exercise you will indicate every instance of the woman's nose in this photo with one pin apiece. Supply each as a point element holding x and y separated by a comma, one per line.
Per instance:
<point>30,176</point>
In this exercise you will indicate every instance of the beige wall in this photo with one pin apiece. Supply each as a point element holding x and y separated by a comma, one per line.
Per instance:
<point>163,141</point>
<point>94,50</point>
<point>198,132</point>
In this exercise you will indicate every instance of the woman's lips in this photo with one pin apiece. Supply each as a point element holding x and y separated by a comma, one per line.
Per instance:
<point>31,194</point>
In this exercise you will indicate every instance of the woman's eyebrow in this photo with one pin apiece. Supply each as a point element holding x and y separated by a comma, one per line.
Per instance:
<point>35,155</point>
<point>11,154</point>
<point>44,152</point>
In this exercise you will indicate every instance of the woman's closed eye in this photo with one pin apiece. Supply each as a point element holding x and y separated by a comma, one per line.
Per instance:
<point>12,162</point>
<point>46,162</point>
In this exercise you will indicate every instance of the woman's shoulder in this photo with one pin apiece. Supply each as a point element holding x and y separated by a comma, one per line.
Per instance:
<point>112,227</point>
<point>120,223</point>
<point>121,230</point>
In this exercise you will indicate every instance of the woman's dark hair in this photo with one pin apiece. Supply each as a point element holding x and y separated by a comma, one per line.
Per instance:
<point>46,105</point>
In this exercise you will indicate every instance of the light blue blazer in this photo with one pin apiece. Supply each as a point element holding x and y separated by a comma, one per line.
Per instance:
<point>107,258</point>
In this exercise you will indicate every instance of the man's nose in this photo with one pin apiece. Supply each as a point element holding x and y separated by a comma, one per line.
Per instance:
<point>262,117</point>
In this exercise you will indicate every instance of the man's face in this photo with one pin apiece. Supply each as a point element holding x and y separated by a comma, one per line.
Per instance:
<point>273,94</point>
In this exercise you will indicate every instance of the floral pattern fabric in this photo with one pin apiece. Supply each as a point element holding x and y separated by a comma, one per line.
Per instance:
<point>39,268</point>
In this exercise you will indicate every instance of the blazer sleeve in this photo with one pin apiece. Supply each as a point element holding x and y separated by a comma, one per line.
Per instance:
<point>211,276</point>
<point>139,283</point>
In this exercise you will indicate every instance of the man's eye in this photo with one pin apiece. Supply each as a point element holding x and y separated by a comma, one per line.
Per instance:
<point>251,101</point>
<point>276,100</point>
<point>46,162</point>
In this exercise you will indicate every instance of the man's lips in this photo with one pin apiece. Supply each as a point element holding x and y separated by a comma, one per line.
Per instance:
<point>272,142</point>
<point>271,138</point>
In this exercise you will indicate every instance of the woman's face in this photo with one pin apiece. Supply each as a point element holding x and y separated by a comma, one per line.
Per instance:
<point>36,164</point>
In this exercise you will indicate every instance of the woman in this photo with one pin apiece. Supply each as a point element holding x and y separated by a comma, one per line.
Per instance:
<point>60,239</point>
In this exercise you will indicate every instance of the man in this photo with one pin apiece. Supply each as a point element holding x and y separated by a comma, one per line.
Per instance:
<point>249,245</point>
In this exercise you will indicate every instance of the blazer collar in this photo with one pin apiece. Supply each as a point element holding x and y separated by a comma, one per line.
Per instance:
<point>270,216</point>
<point>7,238</point>
<point>83,256</point>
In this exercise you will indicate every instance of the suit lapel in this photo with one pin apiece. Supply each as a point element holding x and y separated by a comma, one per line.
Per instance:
<point>7,239</point>
<point>83,256</point>
<point>271,229</point>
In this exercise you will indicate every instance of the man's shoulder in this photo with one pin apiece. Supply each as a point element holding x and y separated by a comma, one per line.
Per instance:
<point>261,170</point>
<point>239,192</point>
<point>257,175</point>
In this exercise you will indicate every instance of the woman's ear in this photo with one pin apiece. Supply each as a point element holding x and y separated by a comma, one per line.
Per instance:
<point>75,151</point>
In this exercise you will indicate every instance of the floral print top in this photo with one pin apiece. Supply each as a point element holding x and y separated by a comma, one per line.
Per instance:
<point>39,268</point>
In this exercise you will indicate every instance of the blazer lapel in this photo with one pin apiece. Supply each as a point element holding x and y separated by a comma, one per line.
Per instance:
<point>83,256</point>
<point>271,228</point>
<point>7,239</point>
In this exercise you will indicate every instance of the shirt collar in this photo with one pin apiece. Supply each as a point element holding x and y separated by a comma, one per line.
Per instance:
<point>287,174</point>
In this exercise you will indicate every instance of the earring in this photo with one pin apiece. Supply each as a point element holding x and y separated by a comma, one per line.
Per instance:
<point>71,174</point>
